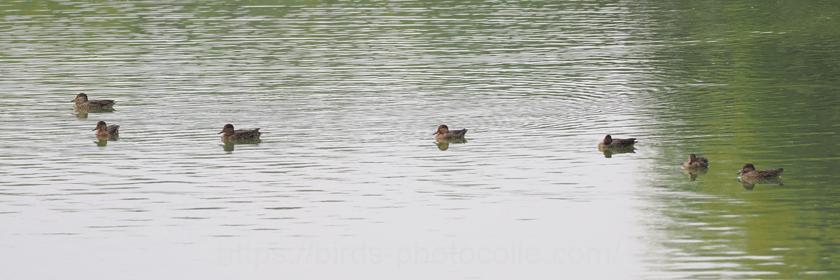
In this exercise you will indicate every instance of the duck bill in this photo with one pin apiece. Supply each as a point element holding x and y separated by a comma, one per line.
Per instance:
<point>220,132</point>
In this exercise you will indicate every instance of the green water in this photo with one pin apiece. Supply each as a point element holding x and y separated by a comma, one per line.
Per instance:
<point>348,180</point>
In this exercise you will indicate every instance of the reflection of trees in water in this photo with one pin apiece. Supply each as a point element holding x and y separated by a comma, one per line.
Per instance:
<point>739,96</point>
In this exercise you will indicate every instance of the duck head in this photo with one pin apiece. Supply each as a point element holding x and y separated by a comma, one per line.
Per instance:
<point>80,98</point>
<point>749,167</point>
<point>692,158</point>
<point>228,129</point>
<point>607,139</point>
<point>442,130</point>
<point>101,125</point>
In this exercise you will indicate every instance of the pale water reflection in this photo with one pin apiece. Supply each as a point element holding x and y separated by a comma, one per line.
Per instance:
<point>346,181</point>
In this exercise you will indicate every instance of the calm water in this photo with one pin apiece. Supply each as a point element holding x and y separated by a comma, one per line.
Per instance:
<point>348,180</point>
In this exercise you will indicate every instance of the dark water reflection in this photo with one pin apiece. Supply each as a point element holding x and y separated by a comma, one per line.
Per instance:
<point>346,181</point>
<point>693,174</point>
<point>749,184</point>
<point>748,90</point>
<point>609,152</point>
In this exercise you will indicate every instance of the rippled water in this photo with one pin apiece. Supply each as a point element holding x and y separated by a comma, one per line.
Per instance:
<point>347,179</point>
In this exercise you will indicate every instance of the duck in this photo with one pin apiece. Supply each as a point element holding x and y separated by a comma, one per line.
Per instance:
<point>105,131</point>
<point>695,162</point>
<point>443,133</point>
<point>83,103</point>
<point>230,135</point>
<point>610,143</point>
<point>748,172</point>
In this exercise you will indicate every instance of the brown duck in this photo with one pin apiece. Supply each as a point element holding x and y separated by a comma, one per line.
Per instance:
<point>82,103</point>
<point>695,162</point>
<point>106,132</point>
<point>748,172</point>
<point>229,135</point>
<point>443,133</point>
<point>610,142</point>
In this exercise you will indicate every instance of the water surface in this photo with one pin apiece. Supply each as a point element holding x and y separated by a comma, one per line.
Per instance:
<point>347,179</point>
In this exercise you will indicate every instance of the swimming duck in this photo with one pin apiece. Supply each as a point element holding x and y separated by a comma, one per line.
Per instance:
<point>443,133</point>
<point>105,131</point>
<point>695,162</point>
<point>748,172</point>
<point>610,142</point>
<point>241,135</point>
<point>82,103</point>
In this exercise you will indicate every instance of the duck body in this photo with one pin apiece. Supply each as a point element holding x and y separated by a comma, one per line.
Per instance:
<point>748,172</point>
<point>229,135</point>
<point>695,162</point>
<point>106,132</point>
<point>611,143</point>
<point>443,133</point>
<point>82,103</point>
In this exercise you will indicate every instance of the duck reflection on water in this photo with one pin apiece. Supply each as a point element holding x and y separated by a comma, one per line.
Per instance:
<point>443,145</point>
